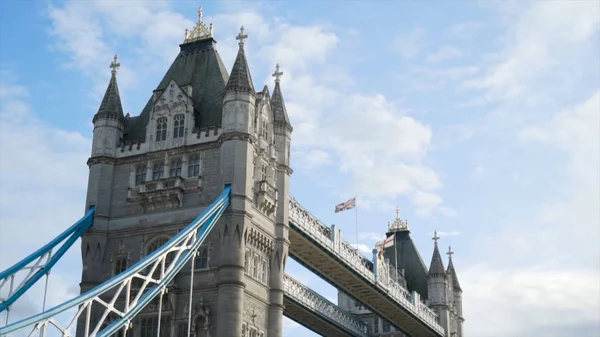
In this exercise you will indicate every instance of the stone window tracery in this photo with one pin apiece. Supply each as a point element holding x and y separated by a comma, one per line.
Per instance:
<point>194,166</point>
<point>158,170</point>
<point>263,172</point>
<point>153,246</point>
<point>178,126</point>
<point>140,175</point>
<point>202,259</point>
<point>176,167</point>
<point>120,265</point>
<point>149,325</point>
<point>161,129</point>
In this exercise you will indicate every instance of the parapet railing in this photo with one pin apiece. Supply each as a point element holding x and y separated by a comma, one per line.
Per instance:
<point>376,271</point>
<point>310,299</point>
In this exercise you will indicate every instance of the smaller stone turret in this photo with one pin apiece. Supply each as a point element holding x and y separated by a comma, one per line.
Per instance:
<point>456,296</point>
<point>109,121</point>
<point>437,287</point>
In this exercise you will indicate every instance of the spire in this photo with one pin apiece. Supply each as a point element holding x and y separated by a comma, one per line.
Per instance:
<point>279,111</point>
<point>451,272</point>
<point>437,266</point>
<point>240,79</point>
<point>111,103</point>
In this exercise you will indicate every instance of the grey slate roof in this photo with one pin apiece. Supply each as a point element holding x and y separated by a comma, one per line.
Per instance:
<point>437,265</point>
<point>111,103</point>
<point>452,273</point>
<point>240,79</point>
<point>415,271</point>
<point>198,64</point>
<point>278,105</point>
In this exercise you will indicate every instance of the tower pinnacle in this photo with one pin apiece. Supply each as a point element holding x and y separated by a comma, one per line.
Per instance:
<point>111,107</point>
<point>114,65</point>
<point>277,74</point>
<point>450,252</point>
<point>435,238</point>
<point>240,79</point>
<point>398,224</point>
<point>241,36</point>
<point>200,32</point>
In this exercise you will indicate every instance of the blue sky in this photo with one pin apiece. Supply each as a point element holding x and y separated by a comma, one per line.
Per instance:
<point>478,119</point>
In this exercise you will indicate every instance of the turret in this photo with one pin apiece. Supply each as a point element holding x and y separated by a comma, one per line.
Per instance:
<point>437,287</point>
<point>236,167</point>
<point>109,123</point>
<point>238,113</point>
<point>457,295</point>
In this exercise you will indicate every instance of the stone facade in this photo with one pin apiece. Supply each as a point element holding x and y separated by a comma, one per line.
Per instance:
<point>151,175</point>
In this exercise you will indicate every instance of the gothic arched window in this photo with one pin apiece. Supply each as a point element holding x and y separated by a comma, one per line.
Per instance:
<point>140,175</point>
<point>202,259</point>
<point>176,167</point>
<point>178,125</point>
<point>149,325</point>
<point>194,166</point>
<point>154,246</point>
<point>157,170</point>
<point>120,265</point>
<point>161,129</point>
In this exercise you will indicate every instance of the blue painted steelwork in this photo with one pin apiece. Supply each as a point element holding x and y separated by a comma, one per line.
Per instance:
<point>208,217</point>
<point>73,233</point>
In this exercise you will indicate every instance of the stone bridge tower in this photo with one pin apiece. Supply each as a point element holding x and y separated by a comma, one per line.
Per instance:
<point>152,174</point>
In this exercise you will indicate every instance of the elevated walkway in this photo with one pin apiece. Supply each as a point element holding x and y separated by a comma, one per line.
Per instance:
<point>316,313</point>
<point>322,250</point>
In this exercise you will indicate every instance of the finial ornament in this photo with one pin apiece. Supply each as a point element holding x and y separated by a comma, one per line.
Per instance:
<point>435,237</point>
<point>200,32</point>
<point>398,224</point>
<point>241,36</point>
<point>114,65</point>
<point>450,252</point>
<point>277,74</point>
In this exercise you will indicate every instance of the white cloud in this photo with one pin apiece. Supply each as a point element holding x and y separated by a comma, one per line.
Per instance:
<point>537,301</point>
<point>466,29</point>
<point>444,54</point>
<point>311,159</point>
<point>543,38</point>
<point>46,173</point>
<point>446,234</point>
<point>409,44</point>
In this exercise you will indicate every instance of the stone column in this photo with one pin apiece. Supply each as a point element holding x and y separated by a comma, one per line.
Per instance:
<point>231,277</point>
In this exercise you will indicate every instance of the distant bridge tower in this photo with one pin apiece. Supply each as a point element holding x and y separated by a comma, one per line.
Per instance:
<point>151,174</point>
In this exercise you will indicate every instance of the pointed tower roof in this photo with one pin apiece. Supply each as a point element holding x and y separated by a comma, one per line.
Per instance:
<point>437,265</point>
<point>199,65</point>
<point>277,102</point>
<point>111,103</point>
<point>451,272</point>
<point>240,79</point>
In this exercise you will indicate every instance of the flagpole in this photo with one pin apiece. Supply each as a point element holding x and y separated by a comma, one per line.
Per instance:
<point>396,256</point>
<point>356,220</point>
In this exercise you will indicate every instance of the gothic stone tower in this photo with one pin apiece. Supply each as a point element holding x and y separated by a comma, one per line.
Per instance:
<point>439,288</point>
<point>152,174</point>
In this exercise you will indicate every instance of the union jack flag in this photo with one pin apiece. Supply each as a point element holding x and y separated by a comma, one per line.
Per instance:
<point>350,204</point>
<point>380,245</point>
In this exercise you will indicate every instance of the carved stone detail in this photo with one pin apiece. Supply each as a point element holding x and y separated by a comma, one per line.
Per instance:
<point>255,313</point>
<point>254,238</point>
